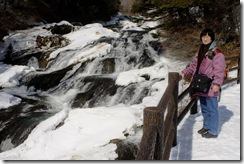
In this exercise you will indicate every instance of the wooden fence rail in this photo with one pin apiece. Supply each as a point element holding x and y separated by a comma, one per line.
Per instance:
<point>160,123</point>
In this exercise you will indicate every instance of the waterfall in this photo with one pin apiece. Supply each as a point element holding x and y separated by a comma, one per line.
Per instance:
<point>79,73</point>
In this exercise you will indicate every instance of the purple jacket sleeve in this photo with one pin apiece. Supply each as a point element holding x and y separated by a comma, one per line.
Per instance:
<point>219,67</point>
<point>191,68</point>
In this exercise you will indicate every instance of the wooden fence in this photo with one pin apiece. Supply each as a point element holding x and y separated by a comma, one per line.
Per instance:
<point>160,123</point>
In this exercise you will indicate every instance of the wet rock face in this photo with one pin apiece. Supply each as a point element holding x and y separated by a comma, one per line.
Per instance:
<point>108,66</point>
<point>61,29</point>
<point>26,58</point>
<point>56,39</point>
<point>51,41</point>
<point>97,90</point>
<point>44,81</point>
<point>102,91</point>
<point>19,120</point>
<point>126,150</point>
<point>145,60</point>
<point>44,46</point>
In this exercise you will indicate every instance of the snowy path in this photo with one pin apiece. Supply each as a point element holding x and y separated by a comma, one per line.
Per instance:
<point>191,145</point>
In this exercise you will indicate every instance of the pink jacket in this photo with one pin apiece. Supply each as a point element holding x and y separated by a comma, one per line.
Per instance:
<point>214,69</point>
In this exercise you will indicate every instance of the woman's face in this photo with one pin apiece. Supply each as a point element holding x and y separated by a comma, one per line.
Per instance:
<point>206,39</point>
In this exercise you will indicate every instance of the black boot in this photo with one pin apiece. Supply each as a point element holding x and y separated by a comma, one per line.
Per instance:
<point>202,131</point>
<point>209,135</point>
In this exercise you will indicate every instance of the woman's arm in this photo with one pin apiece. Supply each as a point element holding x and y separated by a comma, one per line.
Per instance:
<point>190,69</point>
<point>219,66</point>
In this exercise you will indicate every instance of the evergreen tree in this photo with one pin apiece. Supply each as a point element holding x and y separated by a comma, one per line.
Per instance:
<point>223,16</point>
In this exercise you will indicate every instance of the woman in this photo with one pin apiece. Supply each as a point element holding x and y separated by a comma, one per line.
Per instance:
<point>211,63</point>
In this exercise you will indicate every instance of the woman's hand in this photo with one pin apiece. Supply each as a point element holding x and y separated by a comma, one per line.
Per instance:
<point>181,75</point>
<point>215,88</point>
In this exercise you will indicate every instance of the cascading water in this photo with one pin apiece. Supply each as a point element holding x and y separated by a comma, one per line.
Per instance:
<point>75,75</point>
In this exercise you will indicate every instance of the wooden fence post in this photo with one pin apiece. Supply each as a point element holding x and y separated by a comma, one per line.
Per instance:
<point>238,71</point>
<point>194,107</point>
<point>174,76</point>
<point>151,118</point>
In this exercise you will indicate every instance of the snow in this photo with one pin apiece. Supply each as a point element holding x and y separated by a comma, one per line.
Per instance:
<point>8,100</point>
<point>135,76</point>
<point>78,128</point>
<point>86,133</point>
<point>85,35</point>
<point>9,76</point>
<point>191,146</point>
<point>128,25</point>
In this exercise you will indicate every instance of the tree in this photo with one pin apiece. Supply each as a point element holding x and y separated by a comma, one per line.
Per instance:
<point>220,15</point>
<point>73,10</point>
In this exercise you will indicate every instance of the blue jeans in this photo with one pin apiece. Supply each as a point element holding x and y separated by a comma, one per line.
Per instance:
<point>210,114</point>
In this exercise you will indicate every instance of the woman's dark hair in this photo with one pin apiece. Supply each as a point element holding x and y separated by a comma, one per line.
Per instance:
<point>208,31</point>
<point>204,48</point>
